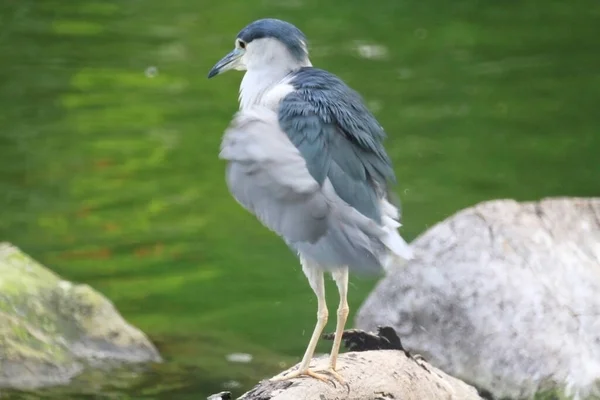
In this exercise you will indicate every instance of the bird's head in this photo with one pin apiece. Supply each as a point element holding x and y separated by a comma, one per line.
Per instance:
<point>265,43</point>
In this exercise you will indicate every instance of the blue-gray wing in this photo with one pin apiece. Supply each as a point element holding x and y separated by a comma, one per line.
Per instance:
<point>338,137</point>
<point>267,175</point>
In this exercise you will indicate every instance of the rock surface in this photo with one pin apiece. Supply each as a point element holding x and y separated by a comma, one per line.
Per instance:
<point>369,375</point>
<point>505,296</point>
<point>50,327</point>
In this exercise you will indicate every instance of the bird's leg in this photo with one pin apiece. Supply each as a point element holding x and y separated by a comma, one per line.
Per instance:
<point>317,282</point>
<point>341,280</point>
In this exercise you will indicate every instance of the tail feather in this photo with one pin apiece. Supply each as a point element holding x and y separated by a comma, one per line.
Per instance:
<point>400,250</point>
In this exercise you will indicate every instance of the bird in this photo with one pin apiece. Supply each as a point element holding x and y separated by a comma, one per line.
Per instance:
<point>305,156</point>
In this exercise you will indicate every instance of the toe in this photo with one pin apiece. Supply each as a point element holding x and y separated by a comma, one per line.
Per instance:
<point>332,373</point>
<point>315,375</point>
<point>300,374</point>
<point>337,376</point>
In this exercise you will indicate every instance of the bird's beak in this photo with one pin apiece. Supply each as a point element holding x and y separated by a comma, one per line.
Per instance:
<point>230,61</point>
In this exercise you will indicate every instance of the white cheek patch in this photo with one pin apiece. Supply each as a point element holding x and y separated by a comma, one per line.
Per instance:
<point>267,52</point>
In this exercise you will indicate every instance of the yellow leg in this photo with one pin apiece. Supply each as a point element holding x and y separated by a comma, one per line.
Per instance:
<point>341,279</point>
<point>317,283</point>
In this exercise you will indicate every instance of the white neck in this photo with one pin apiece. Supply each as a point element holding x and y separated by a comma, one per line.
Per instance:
<point>257,82</point>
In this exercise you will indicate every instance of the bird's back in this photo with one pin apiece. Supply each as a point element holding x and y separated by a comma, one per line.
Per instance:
<point>339,138</point>
<point>333,140</point>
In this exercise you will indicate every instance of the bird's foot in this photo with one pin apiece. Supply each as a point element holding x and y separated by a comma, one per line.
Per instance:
<point>333,373</point>
<point>301,373</point>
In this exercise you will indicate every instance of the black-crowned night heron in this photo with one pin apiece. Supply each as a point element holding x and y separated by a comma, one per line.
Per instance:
<point>306,157</point>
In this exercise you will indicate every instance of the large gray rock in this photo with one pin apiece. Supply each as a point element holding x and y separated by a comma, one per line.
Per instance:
<point>49,328</point>
<point>505,296</point>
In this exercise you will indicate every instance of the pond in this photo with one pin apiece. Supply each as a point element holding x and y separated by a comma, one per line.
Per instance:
<point>110,131</point>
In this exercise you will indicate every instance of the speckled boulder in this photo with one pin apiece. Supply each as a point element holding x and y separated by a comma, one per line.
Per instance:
<point>51,328</point>
<point>505,296</point>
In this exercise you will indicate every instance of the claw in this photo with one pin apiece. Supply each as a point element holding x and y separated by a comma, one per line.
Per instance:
<point>298,374</point>
<point>331,371</point>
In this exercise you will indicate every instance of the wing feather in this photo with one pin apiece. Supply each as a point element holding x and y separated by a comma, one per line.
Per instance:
<point>267,175</point>
<point>338,137</point>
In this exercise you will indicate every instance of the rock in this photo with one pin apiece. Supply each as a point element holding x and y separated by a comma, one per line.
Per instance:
<point>369,375</point>
<point>359,340</point>
<point>220,396</point>
<point>51,328</point>
<point>505,296</point>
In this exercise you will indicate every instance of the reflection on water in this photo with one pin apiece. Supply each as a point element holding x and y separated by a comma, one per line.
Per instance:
<point>110,134</point>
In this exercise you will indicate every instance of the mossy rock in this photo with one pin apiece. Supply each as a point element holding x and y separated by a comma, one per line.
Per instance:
<point>51,328</point>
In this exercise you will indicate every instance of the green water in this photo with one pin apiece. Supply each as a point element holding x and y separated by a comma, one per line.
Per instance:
<point>109,135</point>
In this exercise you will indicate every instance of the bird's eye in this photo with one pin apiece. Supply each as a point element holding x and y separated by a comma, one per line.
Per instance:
<point>241,44</point>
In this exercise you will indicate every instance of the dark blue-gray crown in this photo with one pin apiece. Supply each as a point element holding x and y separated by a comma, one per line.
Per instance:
<point>286,33</point>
